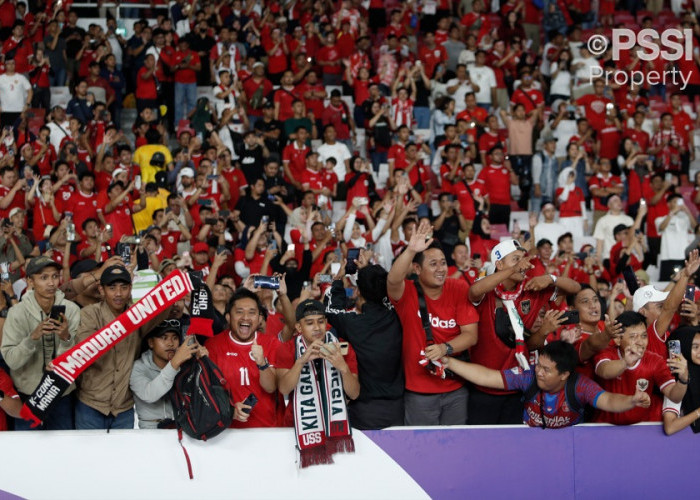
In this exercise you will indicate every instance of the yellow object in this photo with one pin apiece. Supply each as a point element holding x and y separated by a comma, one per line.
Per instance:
<point>142,157</point>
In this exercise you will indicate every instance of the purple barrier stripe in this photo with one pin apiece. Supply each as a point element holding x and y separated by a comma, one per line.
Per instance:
<point>483,463</point>
<point>584,462</point>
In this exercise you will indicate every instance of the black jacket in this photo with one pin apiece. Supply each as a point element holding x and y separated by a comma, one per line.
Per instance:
<point>376,336</point>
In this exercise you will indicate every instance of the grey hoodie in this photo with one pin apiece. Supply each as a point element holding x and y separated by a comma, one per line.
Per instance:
<point>150,386</point>
<point>25,356</point>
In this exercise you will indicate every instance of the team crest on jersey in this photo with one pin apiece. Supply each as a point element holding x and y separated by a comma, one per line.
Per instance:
<point>525,307</point>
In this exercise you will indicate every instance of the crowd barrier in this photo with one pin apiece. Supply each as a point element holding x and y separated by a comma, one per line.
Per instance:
<point>583,462</point>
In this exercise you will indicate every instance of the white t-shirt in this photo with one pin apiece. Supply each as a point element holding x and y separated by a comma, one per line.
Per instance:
<point>463,89</point>
<point>561,84</point>
<point>675,237</point>
<point>485,78</point>
<point>13,92</point>
<point>340,152</point>
<point>604,230</point>
<point>584,72</point>
<point>58,133</point>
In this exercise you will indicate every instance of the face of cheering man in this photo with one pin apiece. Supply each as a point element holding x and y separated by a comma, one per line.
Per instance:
<point>432,271</point>
<point>244,319</point>
<point>511,260</point>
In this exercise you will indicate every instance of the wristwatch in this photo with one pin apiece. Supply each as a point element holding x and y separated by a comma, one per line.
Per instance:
<point>264,367</point>
<point>554,279</point>
<point>450,349</point>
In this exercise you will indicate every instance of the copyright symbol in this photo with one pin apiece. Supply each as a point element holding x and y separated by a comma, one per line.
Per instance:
<point>597,45</point>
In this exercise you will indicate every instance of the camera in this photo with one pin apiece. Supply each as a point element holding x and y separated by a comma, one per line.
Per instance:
<point>267,282</point>
<point>132,240</point>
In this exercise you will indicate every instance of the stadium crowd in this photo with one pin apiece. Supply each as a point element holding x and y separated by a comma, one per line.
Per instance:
<point>499,222</point>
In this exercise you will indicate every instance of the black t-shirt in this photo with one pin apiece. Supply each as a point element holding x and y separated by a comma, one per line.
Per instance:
<point>251,163</point>
<point>273,145</point>
<point>253,210</point>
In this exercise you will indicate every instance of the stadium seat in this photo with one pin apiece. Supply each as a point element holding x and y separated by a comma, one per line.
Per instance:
<point>60,96</point>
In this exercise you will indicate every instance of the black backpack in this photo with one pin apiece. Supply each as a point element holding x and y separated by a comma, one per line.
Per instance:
<point>201,401</point>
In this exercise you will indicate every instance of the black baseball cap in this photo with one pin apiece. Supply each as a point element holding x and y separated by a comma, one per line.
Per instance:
<point>114,274</point>
<point>83,266</point>
<point>38,264</point>
<point>309,307</point>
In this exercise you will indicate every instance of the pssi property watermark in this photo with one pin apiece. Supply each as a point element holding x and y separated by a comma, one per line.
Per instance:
<point>649,45</point>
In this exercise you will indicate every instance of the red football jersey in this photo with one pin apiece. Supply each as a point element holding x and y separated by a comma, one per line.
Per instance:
<point>243,375</point>
<point>490,351</point>
<point>447,314</point>
<point>496,180</point>
<point>651,367</point>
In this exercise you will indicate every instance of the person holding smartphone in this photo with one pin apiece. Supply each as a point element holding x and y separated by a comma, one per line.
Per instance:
<point>154,372</point>
<point>37,329</point>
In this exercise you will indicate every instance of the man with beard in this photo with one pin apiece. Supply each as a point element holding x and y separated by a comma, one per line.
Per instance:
<point>431,399</point>
<point>105,400</point>
<point>246,359</point>
<point>508,303</point>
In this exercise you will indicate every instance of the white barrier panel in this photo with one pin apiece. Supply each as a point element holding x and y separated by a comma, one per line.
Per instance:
<point>255,463</point>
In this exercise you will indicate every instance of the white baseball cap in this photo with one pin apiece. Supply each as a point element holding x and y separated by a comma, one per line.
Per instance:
<point>647,294</point>
<point>505,248</point>
<point>187,172</point>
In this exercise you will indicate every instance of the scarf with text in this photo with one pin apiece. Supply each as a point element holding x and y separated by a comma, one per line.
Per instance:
<point>508,298</point>
<point>201,310</point>
<point>320,415</point>
<point>69,365</point>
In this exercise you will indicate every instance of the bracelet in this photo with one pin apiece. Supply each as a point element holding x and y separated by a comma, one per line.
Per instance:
<point>554,279</point>
<point>264,367</point>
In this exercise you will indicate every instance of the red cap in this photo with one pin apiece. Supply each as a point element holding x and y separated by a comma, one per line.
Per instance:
<point>200,246</point>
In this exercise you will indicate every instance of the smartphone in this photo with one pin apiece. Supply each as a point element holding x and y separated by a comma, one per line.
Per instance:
<point>351,266</point>
<point>125,254</point>
<point>56,312</point>
<point>325,278</point>
<point>108,227</point>
<point>265,219</point>
<point>306,285</point>
<point>132,240</point>
<point>224,213</point>
<point>251,401</point>
<point>571,318</point>
<point>271,197</point>
<point>335,268</point>
<point>210,220</point>
<point>477,256</point>
<point>642,201</point>
<point>266,282</point>
<point>291,248</point>
<point>363,200</point>
<point>674,348</point>
<point>137,182</point>
<point>344,348</point>
<point>690,293</point>
<point>212,177</point>
<point>204,202</point>
<point>191,339</point>
<point>4,271</point>
<point>630,279</point>
<point>223,249</point>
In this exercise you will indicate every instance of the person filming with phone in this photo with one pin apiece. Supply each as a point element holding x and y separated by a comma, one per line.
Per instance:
<point>374,331</point>
<point>37,329</point>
